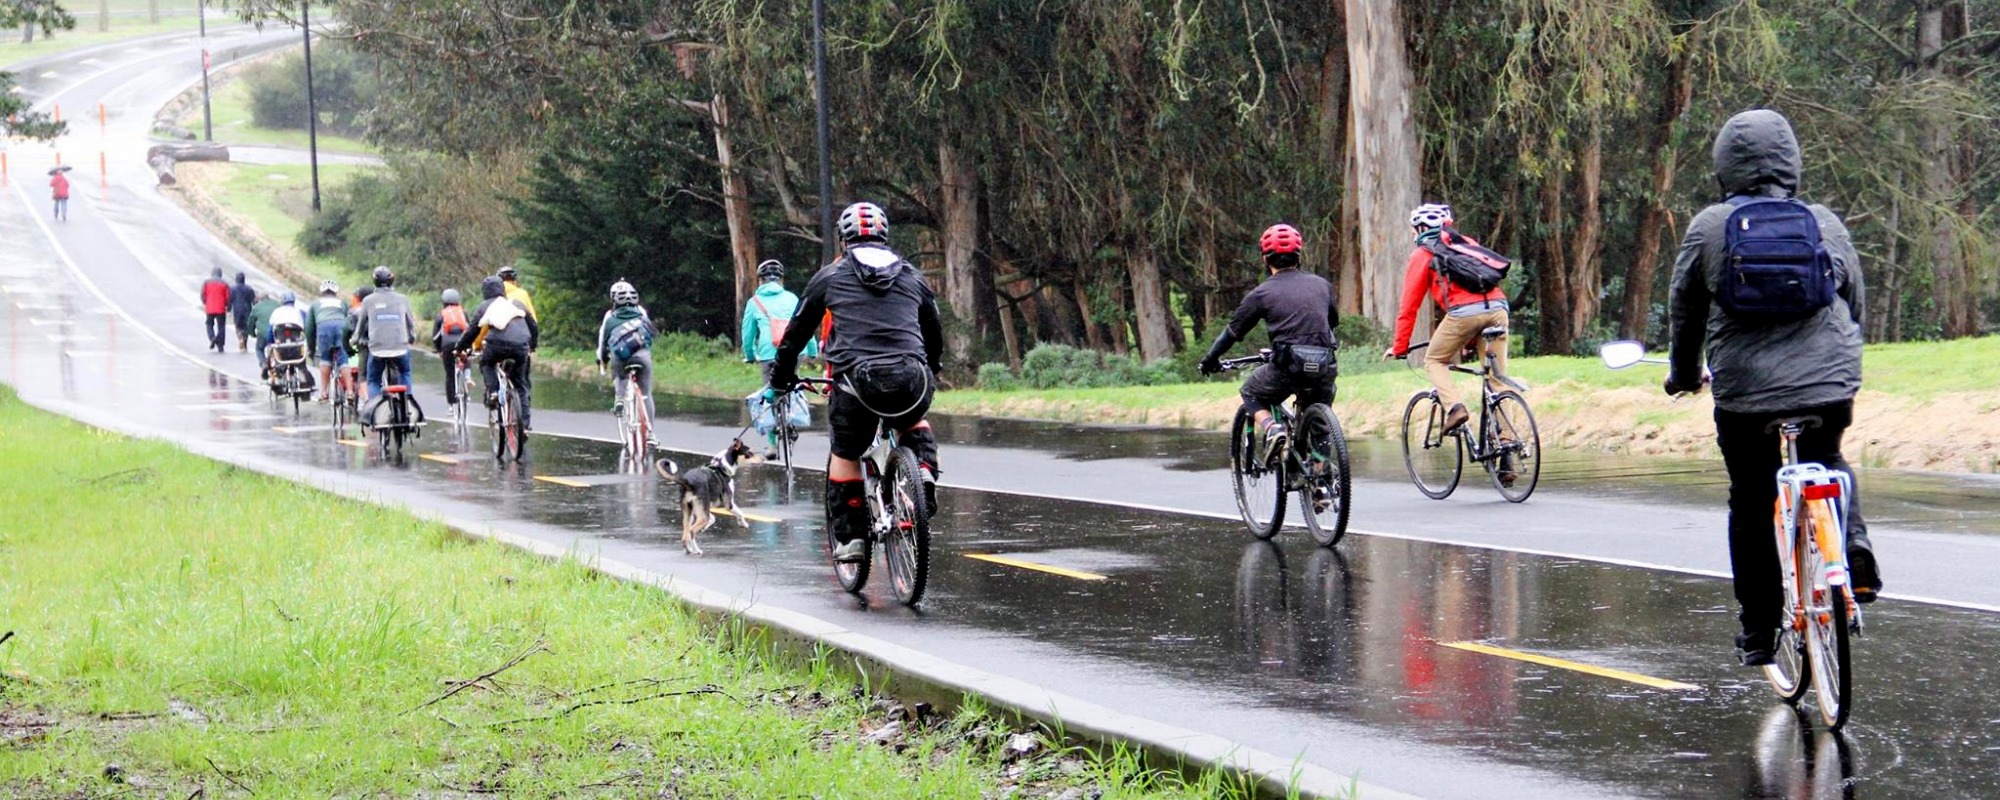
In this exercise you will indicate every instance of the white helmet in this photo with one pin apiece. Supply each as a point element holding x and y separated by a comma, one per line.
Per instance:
<point>328,287</point>
<point>1429,216</point>
<point>863,222</point>
<point>623,294</point>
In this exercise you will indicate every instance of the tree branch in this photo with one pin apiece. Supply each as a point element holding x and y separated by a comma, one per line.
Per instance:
<point>539,646</point>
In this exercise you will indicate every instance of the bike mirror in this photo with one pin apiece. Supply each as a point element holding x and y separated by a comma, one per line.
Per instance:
<point>1622,354</point>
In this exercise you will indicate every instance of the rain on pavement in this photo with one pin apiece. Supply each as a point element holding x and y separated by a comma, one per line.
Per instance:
<point>1335,656</point>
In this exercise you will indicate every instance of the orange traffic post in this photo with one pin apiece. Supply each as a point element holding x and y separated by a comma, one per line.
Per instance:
<point>103,174</point>
<point>3,168</point>
<point>58,112</point>
<point>103,125</point>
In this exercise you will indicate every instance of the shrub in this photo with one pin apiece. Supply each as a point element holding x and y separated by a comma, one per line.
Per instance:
<point>997,377</point>
<point>344,87</point>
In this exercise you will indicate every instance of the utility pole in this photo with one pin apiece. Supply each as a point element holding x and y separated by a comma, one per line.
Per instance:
<point>826,237</point>
<point>312,107</point>
<point>207,115</point>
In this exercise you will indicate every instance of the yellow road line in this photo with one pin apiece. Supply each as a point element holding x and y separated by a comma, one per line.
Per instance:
<point>280,428</point>
<point>746,515</point>
<point>562,481</point>
<point>1576,666</point>
<point>442,459</point>
<point>355,443</point>
<point>1015,562</point>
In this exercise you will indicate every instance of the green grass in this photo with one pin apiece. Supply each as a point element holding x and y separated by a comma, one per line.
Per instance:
<point>230,109</point>
<point>277,200</point>
<point>12,51</point>
<point>199,621</point>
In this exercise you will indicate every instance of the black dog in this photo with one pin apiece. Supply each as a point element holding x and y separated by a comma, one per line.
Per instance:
<point>704,487</point>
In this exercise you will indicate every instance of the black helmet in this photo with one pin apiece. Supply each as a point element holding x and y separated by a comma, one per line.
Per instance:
<point>490,287</point>
<point>363,292</point>
<point>770,270</point>
<point>384,278</point>
<point>507,273</point>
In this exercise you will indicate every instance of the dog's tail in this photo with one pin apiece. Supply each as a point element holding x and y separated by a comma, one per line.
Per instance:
<point>670,471</point>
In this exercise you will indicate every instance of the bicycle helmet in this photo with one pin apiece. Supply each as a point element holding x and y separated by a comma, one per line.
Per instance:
<point>1429,216</point>
<point>329,287</point>
<point>288,298</point>
<point>507,273</point>
<point>384,278</point>
<point>451,297</point>
<point>864,222</point>
<point>623,294</point>
<point>770,270</point>
<point>1280,238</point>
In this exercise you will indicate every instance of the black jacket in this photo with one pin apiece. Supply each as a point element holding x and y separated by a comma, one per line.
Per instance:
<point>529,336</point>
<point>880,306</point>
<point>1297,308</point>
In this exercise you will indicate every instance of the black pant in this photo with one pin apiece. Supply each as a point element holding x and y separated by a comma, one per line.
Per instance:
<point>450,360</point>
<point>489,368</point>
<point>902,387</point>
<point>216,328</point>
<point>1270,386</point>
<point>1752,455</point>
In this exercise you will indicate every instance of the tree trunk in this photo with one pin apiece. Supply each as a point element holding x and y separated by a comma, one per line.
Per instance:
<point>1093,331</point>
<point>1949,277</point>
<point>1586,278</point>
<point>1152,316</point>
<point>1552,275</point>
<point>1636,316</point>
<point>735,209</point>
<point>1383,175</point>
<point>1204,306</point>
<point>969,293</point>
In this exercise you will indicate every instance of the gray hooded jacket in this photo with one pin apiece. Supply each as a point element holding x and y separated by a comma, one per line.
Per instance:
<point>1763,367</point>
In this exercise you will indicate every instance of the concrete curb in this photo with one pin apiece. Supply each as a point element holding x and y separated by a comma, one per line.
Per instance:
<point>911,669</point>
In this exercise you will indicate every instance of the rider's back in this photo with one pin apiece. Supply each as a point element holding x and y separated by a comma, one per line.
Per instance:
<point>386,315</point>
<point>876,300</point>
<point>1295,306</point>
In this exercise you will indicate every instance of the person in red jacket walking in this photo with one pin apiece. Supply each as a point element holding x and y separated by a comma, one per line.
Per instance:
<point>60,186</point>
<point>215,303</point>
<point>1466,312</point>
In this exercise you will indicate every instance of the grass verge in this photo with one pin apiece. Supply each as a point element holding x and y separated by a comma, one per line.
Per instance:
<point>262,208</point>
<point>229,109</point>
<point>204,630</point>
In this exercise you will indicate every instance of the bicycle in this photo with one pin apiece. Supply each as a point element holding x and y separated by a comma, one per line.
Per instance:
<point>289,377</point>
<point>899,519</point>
<point>1507,442</point>
<point>635,425</point>
<point>1809,527</point>
<point>402,424</point>
<point>1319,471</point>
<point>461,411</point>
<point>510,440</point>
<point>787,433</point>
<point>346,398</point>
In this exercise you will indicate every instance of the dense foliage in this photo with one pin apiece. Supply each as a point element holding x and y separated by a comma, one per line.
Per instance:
<point>344,90</point>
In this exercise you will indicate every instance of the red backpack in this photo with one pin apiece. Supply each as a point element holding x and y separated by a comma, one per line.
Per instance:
<point>453,318</point>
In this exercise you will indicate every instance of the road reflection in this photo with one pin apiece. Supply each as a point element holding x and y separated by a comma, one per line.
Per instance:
<point>1798,761</point>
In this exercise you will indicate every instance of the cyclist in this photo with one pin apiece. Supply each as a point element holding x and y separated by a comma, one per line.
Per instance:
<point>518,294</point>
<point>326,329</point>
<point>502,331</point>
<point>1766,370</point>
<point>883,347</point>
<point>260,317</point>
<point>446,330</point>
<point>512,280</point>
<point>1466,314</point>
<point>765,318</point>
<point>287,326</point>
<point>624,339</point>
<point>388,328</point>
<point>1297,310</point>
<point>358,356</point>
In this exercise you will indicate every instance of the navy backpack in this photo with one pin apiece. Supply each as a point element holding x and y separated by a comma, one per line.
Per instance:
<point>1777,269</point>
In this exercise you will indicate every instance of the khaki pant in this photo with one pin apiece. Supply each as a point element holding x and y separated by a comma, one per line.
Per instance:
<point>1452,336</point>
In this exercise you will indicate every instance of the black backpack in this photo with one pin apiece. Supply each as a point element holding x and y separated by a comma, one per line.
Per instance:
<point>1467,265</point>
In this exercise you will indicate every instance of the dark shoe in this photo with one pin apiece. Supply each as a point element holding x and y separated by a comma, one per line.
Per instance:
<point>492,400</point>
<point>1861,571</point>
<point>1276,438</point>
<point>1506,472</point>
<point>1456,417</point>
<point>930,492</point>
<point>770,454</point>
<point>1757,649</point>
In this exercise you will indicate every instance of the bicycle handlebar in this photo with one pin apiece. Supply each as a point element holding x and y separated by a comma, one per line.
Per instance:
<point>1262,357</point>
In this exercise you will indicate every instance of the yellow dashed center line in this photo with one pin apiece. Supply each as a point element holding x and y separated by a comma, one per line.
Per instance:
<point>1575,666</point>
<point>747,515</point>
<point>282,429</point>
<point>442,459</point>
<point>1015,562</point>
<point>562,481</point>
<point>355,443</point>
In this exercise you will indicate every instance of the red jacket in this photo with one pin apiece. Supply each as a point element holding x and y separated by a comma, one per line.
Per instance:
<point>1420,280</point>
<point>60,183</point>
<point>215,296</point>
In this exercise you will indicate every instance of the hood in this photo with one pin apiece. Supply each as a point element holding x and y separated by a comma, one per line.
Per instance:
<point>770,289</point>
<point>876,265</point>
<point>491,287</point>
<point>241,279</point>
<point>1756,148</point>
<point>215,274</point>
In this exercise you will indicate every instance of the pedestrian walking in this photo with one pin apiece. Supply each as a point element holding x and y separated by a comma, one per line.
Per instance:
<point>59,186</point>
<point>241,298</point>
<point>215,303</point>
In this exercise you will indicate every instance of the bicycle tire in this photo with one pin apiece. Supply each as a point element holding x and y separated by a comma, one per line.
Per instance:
<point>1509,411</point>
<point>853,577</point>
<point>1789,672</point>
<point>517,437</point>
<point>1442,455</point>
<point>1254,479</point>
<point>906,550</point>
<point>1826,630</point>
<point>1326,446</point>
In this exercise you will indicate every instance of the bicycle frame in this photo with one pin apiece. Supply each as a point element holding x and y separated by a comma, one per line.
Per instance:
<point>1799,484</point>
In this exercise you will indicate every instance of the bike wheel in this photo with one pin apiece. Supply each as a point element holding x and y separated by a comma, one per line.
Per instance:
<point>1434,458</point>
<point>499,425</point>
<point>1260,487</point>
<point>1511,430</point>
<point>1826,628</point>
<point>339,415</point>
<point>517,439</point>
<point>907,548</point>
<point>852,576</point>
<point>1788,671</point>
<point>786,435</point>
<point>1323,495</point>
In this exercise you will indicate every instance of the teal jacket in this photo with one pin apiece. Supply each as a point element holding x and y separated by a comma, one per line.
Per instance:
<point>780,305</point>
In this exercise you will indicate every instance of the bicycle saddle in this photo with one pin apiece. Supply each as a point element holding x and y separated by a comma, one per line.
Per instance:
<point>1804,423</point>
<point>1494,332</point>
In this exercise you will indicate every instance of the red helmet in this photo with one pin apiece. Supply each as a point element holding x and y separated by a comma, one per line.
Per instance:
<point>1280,238</point>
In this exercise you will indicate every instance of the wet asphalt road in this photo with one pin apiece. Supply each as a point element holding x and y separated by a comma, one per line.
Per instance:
<point>1334,656</point>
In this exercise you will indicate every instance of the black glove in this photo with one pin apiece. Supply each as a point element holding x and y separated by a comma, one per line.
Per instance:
<point>1209,365</point>
<point>1675,388</point>
<point>784,381</point>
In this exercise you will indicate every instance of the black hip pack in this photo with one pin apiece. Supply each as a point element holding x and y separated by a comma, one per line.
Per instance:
<point>889,386</point>
<point>1308,361</point>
